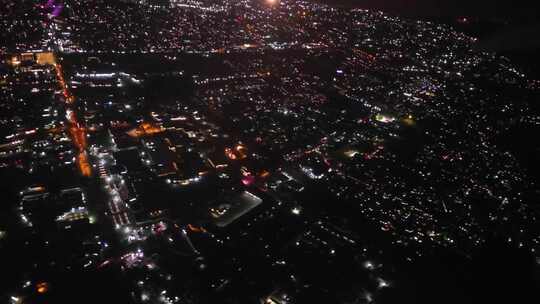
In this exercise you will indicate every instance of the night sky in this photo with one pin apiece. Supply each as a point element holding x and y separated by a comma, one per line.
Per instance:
<point>521,9</point>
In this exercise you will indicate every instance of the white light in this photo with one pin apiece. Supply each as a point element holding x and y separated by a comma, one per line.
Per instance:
<point>383,283</point>
<point>145,297</point>
<point>369,265</point>
<point>296,211</point>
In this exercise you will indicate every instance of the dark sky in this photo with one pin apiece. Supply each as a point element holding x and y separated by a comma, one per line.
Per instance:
<point>514,9</point>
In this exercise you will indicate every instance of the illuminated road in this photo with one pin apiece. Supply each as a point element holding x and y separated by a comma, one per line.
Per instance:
<point>116,190</point>
<point>76,131</point>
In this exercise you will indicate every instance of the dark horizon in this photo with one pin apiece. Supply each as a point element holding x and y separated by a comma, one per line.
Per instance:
<point>520,10</point>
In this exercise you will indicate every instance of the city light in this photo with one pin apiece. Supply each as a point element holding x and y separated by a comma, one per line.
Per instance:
<point>42,287</point>
<point>173,148</point>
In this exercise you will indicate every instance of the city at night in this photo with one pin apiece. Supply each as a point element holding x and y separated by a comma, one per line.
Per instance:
<point>269,151</point>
